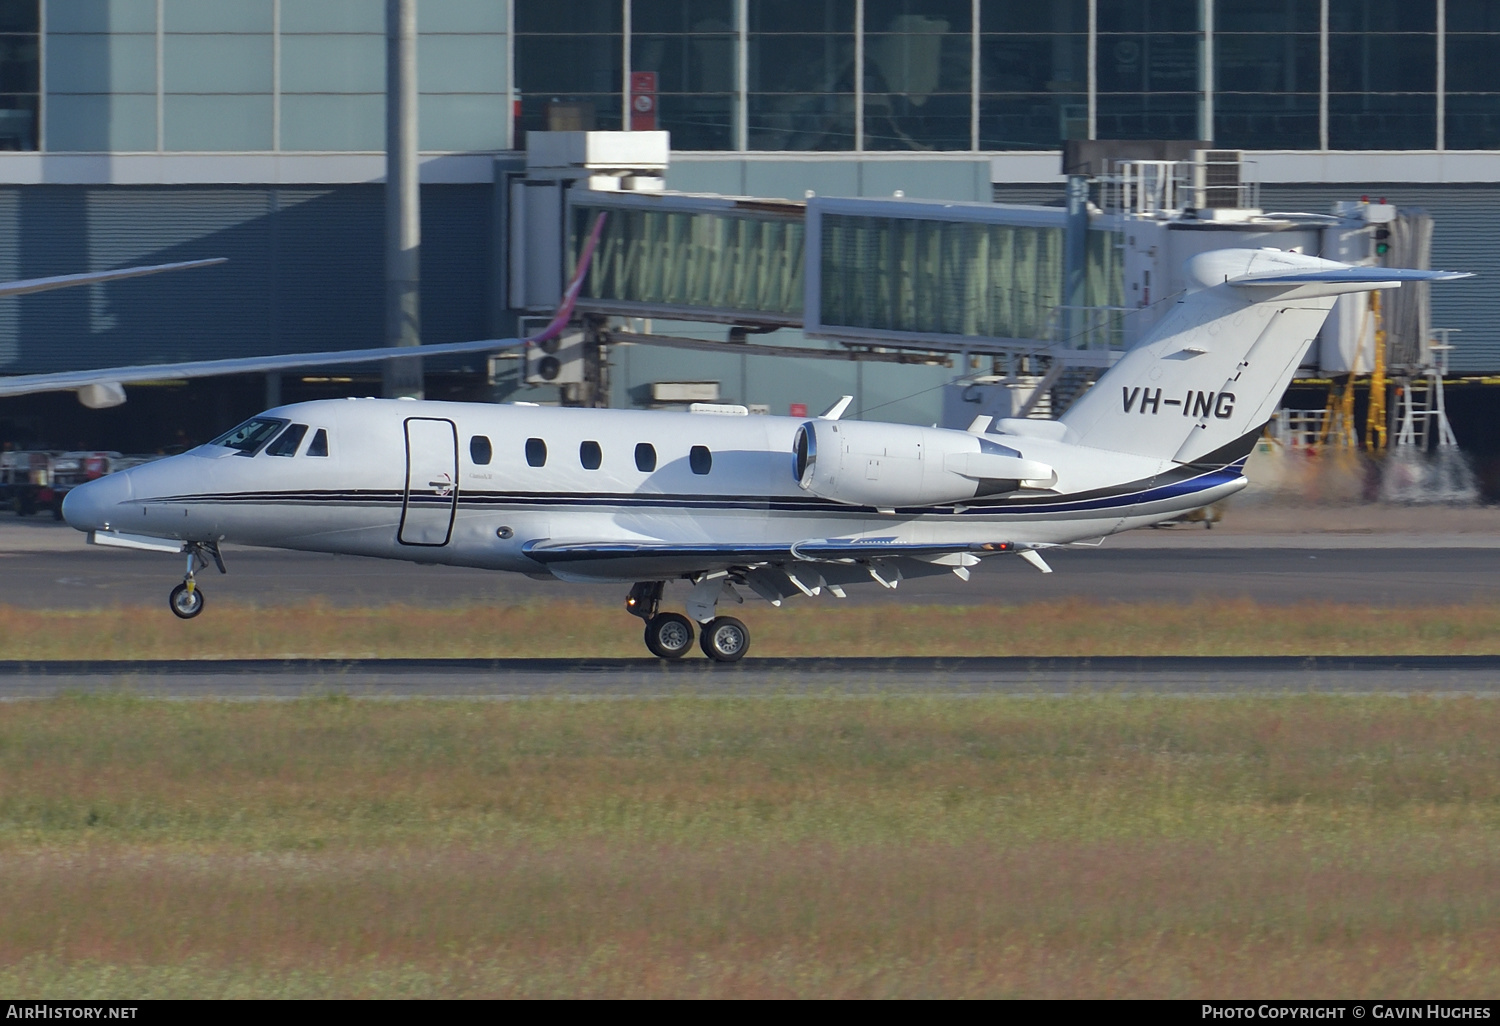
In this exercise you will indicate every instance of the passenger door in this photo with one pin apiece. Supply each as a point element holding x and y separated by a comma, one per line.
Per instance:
<point>431,482</point>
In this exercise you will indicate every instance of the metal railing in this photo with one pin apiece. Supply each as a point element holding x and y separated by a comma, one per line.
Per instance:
<point>1149,188</point>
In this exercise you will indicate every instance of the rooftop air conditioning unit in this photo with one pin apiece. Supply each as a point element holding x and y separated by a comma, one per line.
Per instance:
<point>1216,179</point>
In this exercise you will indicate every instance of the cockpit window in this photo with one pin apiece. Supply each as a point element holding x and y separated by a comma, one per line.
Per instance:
<point>286,443</point>
<point>319,445</point>
<point>251,435</point>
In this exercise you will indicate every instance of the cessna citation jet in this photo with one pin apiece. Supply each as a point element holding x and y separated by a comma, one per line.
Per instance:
<point>732,505</point>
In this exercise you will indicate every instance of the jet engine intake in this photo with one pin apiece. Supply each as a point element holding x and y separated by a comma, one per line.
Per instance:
<point>891,465</point>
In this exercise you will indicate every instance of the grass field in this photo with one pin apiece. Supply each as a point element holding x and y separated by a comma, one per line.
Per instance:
<point>1068,627</point>
<point>1106,846</point>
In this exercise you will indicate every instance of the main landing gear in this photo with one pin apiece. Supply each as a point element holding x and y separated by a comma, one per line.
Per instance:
<point>186,601</point>
<point>724,639</point>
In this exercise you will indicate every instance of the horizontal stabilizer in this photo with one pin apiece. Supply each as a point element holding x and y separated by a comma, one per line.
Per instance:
<point>1350,276</point>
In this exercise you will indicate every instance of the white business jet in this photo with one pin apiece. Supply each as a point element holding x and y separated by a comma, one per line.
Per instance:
<point>734,505</point>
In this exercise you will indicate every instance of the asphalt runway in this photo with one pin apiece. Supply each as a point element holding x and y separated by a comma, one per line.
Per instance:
<point>1387,574</point>
<point>1211,676</point>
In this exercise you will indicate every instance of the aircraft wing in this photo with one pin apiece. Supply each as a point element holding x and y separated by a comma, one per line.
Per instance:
<point>23,384</point>
<point>62,381</point>
<point>773,571</point>
<point>812,550</point>
<point>64,281</point>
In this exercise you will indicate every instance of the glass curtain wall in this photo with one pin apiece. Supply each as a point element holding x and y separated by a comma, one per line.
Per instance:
<point>1267,66</point>
<point>20,74</point>
<point>1472,104</point>
<point>769,75</point>
<point>691,48</point>
<point>570,64</point>
<point>1033,73</point>
<point>1382,74</point>
<point>1149,74</point>
<point>801,72</point>
<point>917,73</point>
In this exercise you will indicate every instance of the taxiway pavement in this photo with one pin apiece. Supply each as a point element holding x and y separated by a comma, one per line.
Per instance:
<point>1285,570</point>
<point>248,680</point>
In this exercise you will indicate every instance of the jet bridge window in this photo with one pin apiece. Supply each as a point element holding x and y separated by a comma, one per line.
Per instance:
<point>286,443</point>
<point>700,459</point>
<point>645,457</point>
<point>251,435</point>
<point>480,451</point>
<point>319,445</point>
<point>590,455</point>
<point>536,452</point>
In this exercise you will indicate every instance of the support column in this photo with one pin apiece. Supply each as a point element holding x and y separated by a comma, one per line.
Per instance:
<point>1075,254</point>
<point>403,214</point>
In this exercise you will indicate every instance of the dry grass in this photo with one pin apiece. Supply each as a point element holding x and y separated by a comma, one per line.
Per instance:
<point>1292,846</point>
<point>1068,627</point>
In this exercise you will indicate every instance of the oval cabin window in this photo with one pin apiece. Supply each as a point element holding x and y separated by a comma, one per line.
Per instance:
<point>536,452</point>
<point>590,456</point>
<point>645,457</point>
<point>480,451</point>
<point>700,459</point>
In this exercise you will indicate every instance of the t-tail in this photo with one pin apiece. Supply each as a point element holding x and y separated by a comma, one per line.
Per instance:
<point>1203,383</point>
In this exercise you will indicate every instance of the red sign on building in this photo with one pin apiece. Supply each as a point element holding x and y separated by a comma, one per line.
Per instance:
<point>643,101</point>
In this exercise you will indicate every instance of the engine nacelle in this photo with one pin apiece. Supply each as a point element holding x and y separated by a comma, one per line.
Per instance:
<point>102,395</point>
<point>890,465</point>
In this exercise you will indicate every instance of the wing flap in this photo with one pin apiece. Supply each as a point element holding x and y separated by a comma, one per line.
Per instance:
<point>813,550</point>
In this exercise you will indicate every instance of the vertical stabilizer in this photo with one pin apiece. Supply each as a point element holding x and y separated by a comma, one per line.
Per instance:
<point>1209,375</point>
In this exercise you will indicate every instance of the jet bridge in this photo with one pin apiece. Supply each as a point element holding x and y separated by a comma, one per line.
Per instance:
<point>864,273</point>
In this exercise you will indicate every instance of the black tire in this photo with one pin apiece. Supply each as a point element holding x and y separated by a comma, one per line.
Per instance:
<point>185,604</point>
<point>669,635</point>
<point>725,640</point>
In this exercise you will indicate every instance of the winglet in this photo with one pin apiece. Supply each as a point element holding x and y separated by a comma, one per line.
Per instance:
<point>836,411</point>
<point>570,297</point>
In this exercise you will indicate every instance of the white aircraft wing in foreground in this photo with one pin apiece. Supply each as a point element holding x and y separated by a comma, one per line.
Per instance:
<point>102,387</point>
<point>772,506</point>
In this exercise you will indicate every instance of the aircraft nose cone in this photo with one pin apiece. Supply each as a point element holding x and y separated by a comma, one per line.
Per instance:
<point>90,506</point>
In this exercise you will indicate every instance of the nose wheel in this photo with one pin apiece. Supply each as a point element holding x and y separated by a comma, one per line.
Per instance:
<point>186,600</point>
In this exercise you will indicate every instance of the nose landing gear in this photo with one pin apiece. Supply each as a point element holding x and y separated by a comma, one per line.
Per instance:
<point>670,635</point>
<point>186,601</point>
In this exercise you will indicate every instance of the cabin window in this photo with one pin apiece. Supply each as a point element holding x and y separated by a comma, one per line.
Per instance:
<point>286,443</point>
<point>319,445</point>
<point>645,457</point>
<point>700,459</point>
<point>536,452</point>
<point>251,435</point>
<point>590,455</point>
<point>480,451</point>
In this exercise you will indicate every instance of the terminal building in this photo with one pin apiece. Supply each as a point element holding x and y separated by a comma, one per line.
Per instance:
<point>806,198</point>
